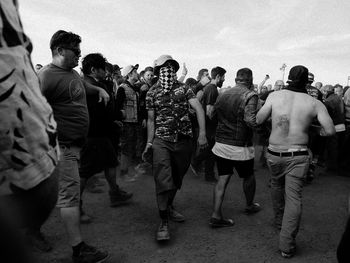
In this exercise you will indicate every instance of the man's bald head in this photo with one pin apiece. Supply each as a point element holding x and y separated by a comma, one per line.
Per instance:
<point>279,84</point>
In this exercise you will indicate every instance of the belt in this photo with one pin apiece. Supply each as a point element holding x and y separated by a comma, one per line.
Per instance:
<point>288,154</point>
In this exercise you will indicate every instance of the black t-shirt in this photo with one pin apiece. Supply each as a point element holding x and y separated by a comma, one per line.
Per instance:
<point>210,94</point>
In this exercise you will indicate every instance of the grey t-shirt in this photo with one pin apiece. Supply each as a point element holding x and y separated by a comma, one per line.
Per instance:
<point>65,92</point>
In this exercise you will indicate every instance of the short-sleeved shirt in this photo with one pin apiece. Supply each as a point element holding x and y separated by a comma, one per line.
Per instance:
<point>65,92</point>
<point>171,111</point>
<point>210,94</point>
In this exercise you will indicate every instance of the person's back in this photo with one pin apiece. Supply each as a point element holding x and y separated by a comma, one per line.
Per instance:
<point>292,114</point>
<point>292,111</point>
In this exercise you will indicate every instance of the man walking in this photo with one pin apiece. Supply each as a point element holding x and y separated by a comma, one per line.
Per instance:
<point>169,135</point>
<point>65,92</point>
<point>128,95</point>
<point>235,110</point>
<point>292,111</point>
<point>210,94</point>
<point>100,151</point>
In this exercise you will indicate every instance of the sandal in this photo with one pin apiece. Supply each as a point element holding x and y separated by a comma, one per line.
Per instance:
<point>252,209</point>
<point>215,222</point>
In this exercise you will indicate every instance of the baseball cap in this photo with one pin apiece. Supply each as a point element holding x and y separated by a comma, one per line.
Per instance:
<point>116,67</point>
<point>126,70</point>
<point>159,62</point>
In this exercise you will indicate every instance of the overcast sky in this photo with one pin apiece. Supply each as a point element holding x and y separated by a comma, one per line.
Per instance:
<point>259,34</point>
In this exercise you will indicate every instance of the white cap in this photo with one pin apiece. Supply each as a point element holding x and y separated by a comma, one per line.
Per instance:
<point>126,70</point>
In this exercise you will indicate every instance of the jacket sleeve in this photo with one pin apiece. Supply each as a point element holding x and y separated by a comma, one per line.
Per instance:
<point>250,111</point>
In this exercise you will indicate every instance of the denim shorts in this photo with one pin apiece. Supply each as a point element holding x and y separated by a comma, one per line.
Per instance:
<point>68,177</point>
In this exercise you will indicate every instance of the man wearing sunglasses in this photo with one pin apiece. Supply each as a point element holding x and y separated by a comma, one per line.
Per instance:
<point>66,93</point>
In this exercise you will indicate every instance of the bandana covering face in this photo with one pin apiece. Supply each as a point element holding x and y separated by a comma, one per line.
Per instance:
<point>297,79</point>
<point>167,78</point>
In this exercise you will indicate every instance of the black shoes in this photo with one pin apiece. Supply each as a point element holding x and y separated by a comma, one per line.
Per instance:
<point>216,222</point>
<point>119,198</point>
<point>90,254</point>
<point>252,209</point>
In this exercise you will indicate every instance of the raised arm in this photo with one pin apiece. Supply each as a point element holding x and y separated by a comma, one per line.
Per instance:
<point>183,75</point>
<point>262,83</point>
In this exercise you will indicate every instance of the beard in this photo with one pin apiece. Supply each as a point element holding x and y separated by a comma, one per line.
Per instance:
<point>219,84</point>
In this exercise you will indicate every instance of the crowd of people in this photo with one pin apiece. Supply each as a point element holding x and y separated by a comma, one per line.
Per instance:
<point>60,128</point>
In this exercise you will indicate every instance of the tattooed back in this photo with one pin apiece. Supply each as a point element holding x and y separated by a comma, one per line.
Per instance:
<point>292,114</point>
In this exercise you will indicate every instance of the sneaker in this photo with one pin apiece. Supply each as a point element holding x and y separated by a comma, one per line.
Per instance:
<point>216,222</point>
<point>37,240</point>
<point>163,231</point>
<point>90,254</point>
<point>252,209</point>
<point>287,255</point>
<point>175,216</point>
<point>119,198</point>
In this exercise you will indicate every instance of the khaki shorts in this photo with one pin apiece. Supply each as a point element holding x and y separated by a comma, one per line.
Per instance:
<point>68,177</point>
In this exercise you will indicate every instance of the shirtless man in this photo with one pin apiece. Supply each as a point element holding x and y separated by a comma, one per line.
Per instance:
<point>292,111</point>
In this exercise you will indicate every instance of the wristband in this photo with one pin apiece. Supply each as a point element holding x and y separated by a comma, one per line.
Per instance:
<point>149,143</point>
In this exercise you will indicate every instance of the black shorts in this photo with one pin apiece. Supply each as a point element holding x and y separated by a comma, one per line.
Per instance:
<point>243,168</point>
<point>97,155</point>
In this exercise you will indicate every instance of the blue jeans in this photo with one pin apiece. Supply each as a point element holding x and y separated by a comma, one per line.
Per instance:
<point>287,178</point>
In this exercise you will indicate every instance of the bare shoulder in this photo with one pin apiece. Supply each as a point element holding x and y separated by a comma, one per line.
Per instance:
<point>318,104</point>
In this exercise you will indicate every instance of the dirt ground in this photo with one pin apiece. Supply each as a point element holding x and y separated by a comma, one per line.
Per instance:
<point>128,232</point>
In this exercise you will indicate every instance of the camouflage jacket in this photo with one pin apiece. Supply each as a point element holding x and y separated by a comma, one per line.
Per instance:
<point>171,111</point>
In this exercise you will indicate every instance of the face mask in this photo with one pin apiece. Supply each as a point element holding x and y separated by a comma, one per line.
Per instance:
<point>167,77</point>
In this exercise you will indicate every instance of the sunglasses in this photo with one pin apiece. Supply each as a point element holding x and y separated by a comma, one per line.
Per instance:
<point>76,51</point>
